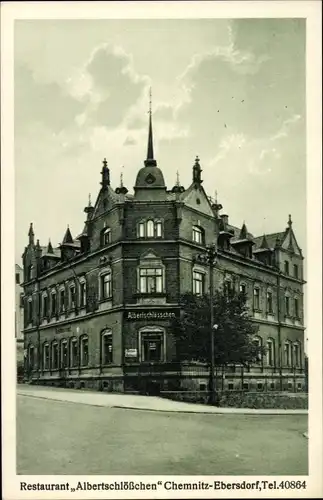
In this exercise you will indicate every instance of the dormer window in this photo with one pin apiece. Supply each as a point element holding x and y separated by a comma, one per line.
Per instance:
<point>150,228</point>
<point>198,235</point>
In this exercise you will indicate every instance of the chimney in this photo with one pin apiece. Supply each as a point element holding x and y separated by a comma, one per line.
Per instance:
<point>225,219</point>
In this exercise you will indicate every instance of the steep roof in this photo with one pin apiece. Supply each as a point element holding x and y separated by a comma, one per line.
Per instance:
<point>270,238</point>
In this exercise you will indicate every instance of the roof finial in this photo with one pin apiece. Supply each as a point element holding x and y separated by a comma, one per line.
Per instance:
<point>121,179</point>
<point>177,178</point>
<point>90,204</point>
<point>31,234</point>
<point>150,161</point>
<point>216,197</point>
<point>290,222</point>
<point>105,182</point>
<point>197,171</point>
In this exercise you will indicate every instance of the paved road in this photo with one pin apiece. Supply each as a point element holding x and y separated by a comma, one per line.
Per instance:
<point>60,437</point>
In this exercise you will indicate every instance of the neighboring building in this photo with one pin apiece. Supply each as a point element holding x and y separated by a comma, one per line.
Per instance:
<point>105,300</point>
<point>19,318</point>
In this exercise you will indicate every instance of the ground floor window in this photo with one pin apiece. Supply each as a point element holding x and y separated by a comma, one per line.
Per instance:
<point>31,357</point>
<point>84,351</point>
<point>152,346</point>
<point>46,357</point>
<point>55,356</point>
<point>64,354</point>
<point>74,353</point>
<point>106,346</point>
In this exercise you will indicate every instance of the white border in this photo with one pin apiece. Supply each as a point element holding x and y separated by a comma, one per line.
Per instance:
<point>137,10</point>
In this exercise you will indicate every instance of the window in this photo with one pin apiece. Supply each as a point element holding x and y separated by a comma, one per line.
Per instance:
<point>31,357</point>
<point>257,341</point>
<point>82,294</point>
<point>270,302</point>
<point>272,386</point>
<point>296,355</point>
<point>296,308</point>
<point>17,279</point>
<point>150,229</point>
<point>228,287</point>
<point>106,348</point>
<point>198,235</point>
<point>45,306</point>
<point>198,283</point>
<point>230,386</point>
<point>256,299</point>
<point>286,267</point>
<point>152,347</point>
<point>46,357</point>
<point>84,351</point>
<point>260,386</point>
<point>106,286</point>
<point>64,354</point>
<point>245,386</point>
<point>151,280</point>
<point>62,300</point>
<point>74,353</point>
<point>287,305</point>
<point>270,352</point>
<point>54,304</point>
<point>106,238</point>
<point>72,297</point>
<point>29,311</point>
<point>242,289</point>
<point>295,271</point>
<point>287,353</point>
<point>55,356</point>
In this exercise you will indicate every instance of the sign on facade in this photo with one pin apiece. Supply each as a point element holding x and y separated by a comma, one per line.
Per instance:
<point>150,315</point>
<point>131,353</point>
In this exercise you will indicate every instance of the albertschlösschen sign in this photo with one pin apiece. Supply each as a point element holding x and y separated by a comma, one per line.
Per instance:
<point>151,314</point>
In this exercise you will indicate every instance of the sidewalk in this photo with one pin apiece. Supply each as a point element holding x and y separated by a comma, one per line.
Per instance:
<point>134,402</point>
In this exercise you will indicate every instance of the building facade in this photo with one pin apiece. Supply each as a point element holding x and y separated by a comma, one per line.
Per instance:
<point>99,308</point>
<point>19,319</point>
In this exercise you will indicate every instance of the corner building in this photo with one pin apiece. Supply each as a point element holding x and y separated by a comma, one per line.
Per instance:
<point>98,309</point>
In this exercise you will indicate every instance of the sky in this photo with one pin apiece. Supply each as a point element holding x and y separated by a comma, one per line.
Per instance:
<point>230,91</point>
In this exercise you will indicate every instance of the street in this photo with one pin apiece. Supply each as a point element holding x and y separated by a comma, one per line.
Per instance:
<point>62,437</point>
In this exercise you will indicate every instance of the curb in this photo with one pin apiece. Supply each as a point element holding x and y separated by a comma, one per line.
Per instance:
<point>233,411</point>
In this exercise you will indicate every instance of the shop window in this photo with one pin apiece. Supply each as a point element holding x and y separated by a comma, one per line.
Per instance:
<point>54,356</point>
<point>84,350</point>
<point>46,359</point>
<point>74,353</point>
<point>198,235</point>
<point>256,299</point>
<point>269,302</point>
<point>106,285</point>
<point>106,346</point>
<point>152,346</point>
<point>151,280</point>
<point>64,354</point>
<point>198,283</point>
<point>270,352</point>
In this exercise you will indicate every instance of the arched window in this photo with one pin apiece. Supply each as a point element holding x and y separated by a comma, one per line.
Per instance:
<point>150,229</point>
<point>46,356</point>
<point>152,344</point>
<point>55,355</point>
<point>29,311</point>
<point>141,230</point>
<point>72,296</point>
<point>288,353</point>
<point>106,347</point>
<point>64,354</point>
<point>53,303</point>
<point>62,298</point>
<point>198,235</point>
<point>45,310</point>
<point>74,352</point>
<point>270,352</point>
<point>84,350</point>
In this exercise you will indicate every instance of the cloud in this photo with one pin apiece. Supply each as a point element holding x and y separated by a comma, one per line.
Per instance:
<point>129,141</point>
<point>44,103</point>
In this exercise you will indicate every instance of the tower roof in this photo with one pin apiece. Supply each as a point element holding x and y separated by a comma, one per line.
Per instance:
<point>67,237</point>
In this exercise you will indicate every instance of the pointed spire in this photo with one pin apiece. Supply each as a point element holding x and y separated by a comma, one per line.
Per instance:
<point>50,248</point>
<point>31,234</point>
<point>105,172</point>
<point>264,243</point>
<point>177,178</point>
<point>243,232</point>
<point>67,237</point>
<point>150,161</point>
<point>197,171</point>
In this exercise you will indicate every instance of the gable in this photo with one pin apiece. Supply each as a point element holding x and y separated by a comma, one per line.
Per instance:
<point>195,197</point>
<point>290,243</point>
<point>105,201</point>
<point>149,255</point>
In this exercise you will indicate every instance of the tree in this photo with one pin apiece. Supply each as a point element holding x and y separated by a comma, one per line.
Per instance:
<point>234,340</point>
